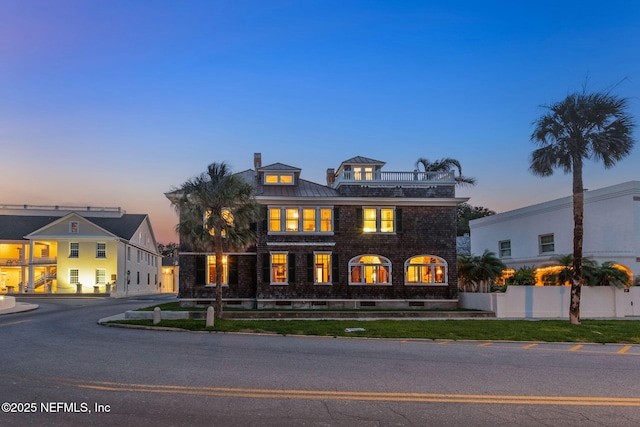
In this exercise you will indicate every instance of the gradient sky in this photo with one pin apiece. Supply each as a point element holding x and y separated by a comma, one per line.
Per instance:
<point>115,102</point>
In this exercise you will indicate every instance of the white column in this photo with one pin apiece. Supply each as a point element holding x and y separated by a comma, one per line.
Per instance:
<point>30,284</point>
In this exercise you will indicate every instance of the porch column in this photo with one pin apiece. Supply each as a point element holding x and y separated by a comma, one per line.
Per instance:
<point>30,284</point>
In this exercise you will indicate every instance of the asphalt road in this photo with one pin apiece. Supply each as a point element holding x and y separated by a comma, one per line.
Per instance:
<point>58,367</point>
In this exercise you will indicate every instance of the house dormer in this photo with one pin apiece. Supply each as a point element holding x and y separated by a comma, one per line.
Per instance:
<point>358,169</point>
<point>276,173</point>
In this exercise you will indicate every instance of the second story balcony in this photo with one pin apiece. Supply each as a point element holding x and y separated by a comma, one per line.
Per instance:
<point>377,178</point>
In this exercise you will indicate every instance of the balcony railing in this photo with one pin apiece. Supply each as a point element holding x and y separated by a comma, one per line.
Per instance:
<point>388,179</point>
<point>10,262</point>
<point>16,262</point>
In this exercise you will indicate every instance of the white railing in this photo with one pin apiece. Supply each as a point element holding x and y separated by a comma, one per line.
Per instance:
<point>414,178</point>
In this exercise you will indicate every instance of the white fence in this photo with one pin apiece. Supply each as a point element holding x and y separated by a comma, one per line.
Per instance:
<point>532,302</point>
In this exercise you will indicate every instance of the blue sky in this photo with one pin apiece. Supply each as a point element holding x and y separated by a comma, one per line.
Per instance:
<point>115,102</point>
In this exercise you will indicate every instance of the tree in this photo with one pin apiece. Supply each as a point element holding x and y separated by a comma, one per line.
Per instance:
<point>168,250</point>
<point>607,274</point>
<point>524,276</point>
<point>583,126</point>
<point>217,208</point>
<point>477,272</point>
<point>445,165</point>
<point>563,274</point>
<point>594,274</point>
<point>465,213</point>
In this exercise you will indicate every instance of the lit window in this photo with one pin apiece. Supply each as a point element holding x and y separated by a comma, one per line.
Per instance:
<point>101,250</point>
<point>74,276</point>
<point>101,276</point>
<point>291,219</point>
<point>278,268</point>
<point>74,250</point>
<point>370,222</point>
<point>425,270</point>
<point>226,215</point>
<point>386,220</point>
<point>283,179</point>
<point>546,243</point>
<point>274,219</point>
<point>505,248</point>
<point>300,220</point>
<point>309,219</point>
<point>378,220</point>
<point>360,173</point>
<point>325,219</point>
<point>369,270</point>
<point>211,261</point>
<point>322,272</point>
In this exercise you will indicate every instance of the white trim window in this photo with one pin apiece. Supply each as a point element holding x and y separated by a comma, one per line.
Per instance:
<point>211,277</point>
<point>74,227</point>
<point>504,248</point>
<point>369,270</point>
<point>425,270</point>
<point>101,250</point>
<point>101,276</point>
<point>279,268</point>
<point>378,220</point>
<point>278,178</point>
<point>546,244</point>
<point>74,276</point>
<point>74,249</point>
<point>322,267</point>
<point>293,219</point>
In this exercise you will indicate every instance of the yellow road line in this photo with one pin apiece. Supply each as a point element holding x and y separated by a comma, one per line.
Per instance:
<point>624,349</point>
<point>357,396</point>
<point>15,323</point>
<point>576,347</point>
<point>527,347</point>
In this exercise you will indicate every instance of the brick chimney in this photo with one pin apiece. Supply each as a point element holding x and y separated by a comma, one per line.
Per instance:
<point>257,161</point>
<point>331,176</point>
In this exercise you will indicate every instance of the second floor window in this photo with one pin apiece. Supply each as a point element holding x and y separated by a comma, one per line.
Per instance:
<point>546,243</point>
<point>101,250</point>
<point>74,250</point>
<point>300,220</point>
<point>505,248</point>
<point>378,220</point>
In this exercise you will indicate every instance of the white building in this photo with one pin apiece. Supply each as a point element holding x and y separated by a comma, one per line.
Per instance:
<point>533,235</point>
<point>77,250</point>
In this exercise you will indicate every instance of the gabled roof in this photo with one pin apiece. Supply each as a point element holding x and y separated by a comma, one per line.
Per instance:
<point>279,167</point>
<point>16,227</point>
<point>359,160</point>
<point>123,227</point>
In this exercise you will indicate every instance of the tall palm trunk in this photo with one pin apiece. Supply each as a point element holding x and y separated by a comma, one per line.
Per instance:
<point>578,231</point>
<point>219,273</point>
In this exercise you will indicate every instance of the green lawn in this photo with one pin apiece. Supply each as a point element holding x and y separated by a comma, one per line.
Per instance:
<point>597,331</point>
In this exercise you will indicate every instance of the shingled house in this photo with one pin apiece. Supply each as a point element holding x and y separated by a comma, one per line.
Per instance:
<point>367,238</point>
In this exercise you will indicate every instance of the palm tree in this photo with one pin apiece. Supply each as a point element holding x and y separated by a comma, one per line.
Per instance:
<point>477,272</point>
<point>562,275</point>
<point>215,208</point>
<point>607,274</point>
<point>582,126</point>
<point>445,165</point>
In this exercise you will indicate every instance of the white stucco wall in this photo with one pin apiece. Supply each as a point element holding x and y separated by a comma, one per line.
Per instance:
<point>611,228</point>
<point>535,302</point>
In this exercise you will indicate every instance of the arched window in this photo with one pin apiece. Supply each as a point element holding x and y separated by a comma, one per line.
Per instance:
<point>425,270</point>
<point>369,270</point>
